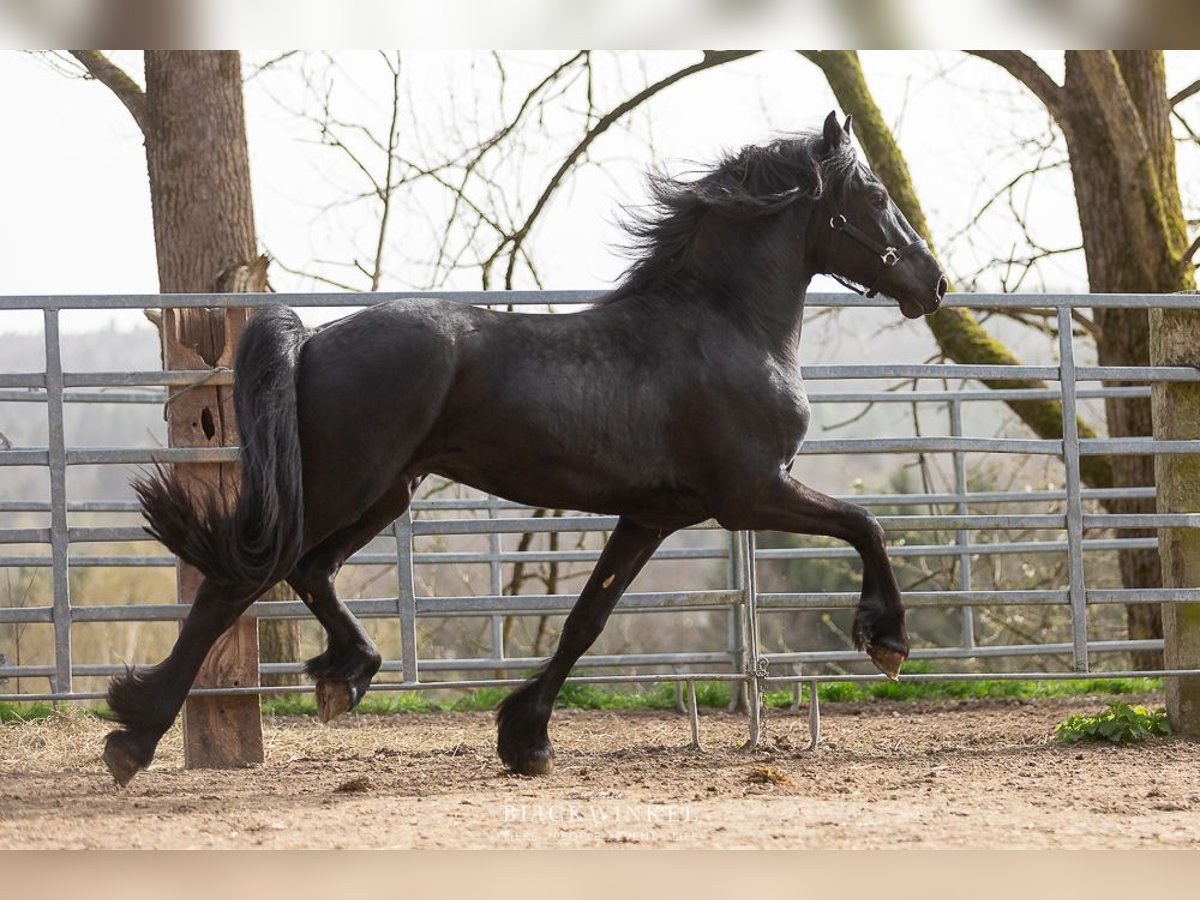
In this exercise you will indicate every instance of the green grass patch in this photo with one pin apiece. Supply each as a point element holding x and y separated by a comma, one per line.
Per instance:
<point>592,696</point>
<point>709,695</point>
<point>383,703</point>
<point>982,689</point>
<point>987,689</point>
<point>1120,723</point>
<point>718,694</point>
<point>482,699</point>
<point>25,712</point>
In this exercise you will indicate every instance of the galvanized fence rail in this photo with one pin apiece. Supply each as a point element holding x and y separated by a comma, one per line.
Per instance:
<point>742,661</point>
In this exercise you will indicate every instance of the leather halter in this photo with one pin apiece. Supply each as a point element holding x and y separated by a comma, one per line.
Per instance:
<point>888,256</point>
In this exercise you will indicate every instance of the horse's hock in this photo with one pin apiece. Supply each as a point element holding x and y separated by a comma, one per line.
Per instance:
<point>53,532</point>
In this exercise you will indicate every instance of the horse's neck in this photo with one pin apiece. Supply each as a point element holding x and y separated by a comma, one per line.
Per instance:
<point>798,326</point>
<point>781,319</point>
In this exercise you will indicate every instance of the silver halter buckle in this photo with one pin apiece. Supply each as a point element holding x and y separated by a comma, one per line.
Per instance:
<point>890,256</point>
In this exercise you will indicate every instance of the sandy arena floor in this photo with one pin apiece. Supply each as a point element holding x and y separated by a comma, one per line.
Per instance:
<point>945,774</point>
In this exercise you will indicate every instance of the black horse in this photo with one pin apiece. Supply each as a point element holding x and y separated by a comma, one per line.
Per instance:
<point>674,399</point>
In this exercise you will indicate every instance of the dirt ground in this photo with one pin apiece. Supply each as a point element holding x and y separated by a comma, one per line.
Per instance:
<point>936,774</point>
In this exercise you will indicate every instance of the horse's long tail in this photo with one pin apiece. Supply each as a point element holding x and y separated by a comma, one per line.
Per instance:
<point>259,541</point>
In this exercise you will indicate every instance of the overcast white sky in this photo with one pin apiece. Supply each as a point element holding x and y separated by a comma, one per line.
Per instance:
<point>77,211</point>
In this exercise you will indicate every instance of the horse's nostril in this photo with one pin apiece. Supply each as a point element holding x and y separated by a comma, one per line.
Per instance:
<point>942,285</point>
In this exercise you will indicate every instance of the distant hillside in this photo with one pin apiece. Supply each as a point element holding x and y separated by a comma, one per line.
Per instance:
<point>87,424</point>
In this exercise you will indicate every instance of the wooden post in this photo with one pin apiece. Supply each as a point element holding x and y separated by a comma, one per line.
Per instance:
<point>199,170</point>
<point>219,732</point>
<point>1175,341</point>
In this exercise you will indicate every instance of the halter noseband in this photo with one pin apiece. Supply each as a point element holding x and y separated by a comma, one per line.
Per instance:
<point>889,256</point>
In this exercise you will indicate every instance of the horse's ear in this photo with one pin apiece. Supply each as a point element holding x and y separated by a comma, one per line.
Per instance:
<point>833,135</point>
<point>846,127</point>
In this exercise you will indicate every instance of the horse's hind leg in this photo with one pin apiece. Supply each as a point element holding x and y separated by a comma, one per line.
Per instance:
<point>146,700</point>
<point>343,671</point>
<point>523,743</point>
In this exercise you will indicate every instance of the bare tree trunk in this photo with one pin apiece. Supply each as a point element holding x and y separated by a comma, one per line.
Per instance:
<point>1113,110</point>
<point>1175,337</point>
<point>199,171</point>
<point>1115,120</point>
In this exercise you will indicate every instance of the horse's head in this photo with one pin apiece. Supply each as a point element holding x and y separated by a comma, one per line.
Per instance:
<point>866,240</point>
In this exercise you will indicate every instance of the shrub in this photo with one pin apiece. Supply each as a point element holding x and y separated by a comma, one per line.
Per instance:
<point>1120,723</point>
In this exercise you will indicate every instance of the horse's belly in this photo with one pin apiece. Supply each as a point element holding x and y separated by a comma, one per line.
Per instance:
<point>537,475</point>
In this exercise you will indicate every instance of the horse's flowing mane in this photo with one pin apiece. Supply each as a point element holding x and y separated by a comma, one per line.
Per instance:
<point>755,181</point>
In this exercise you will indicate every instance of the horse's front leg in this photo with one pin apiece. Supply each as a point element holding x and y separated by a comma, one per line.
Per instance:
<point>788,505</point>
<point>523,743</point>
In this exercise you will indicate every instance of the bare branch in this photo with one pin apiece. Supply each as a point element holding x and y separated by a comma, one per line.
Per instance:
<point>320,279</point>
<point>711,59</point>
<point>270,64</point>
<point>112,76</point>
<point>1191,251</point>
<point>1028,317</point>
<point>459,192</point>
<point>1190,91</point>
<point>386,197</point>
<point>1089,325</point>
<point>1022,67</point>
<point>1192,136</point>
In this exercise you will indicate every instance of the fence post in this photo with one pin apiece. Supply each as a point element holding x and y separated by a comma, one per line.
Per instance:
<point>406,596</point>
<point>1175,341</point>
<point>756,666</point>
<point>961,537</point>
<point>60,544</point>
<point>1077,590</point>
<point>219,731</point>
<point>735,622</point>
<point>496,586</point>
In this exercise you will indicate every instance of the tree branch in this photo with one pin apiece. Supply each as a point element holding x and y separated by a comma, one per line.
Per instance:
<point>711,59</point>
<point>1190,251</point>
<point>1022,67</point>
<point>385,198</point>
<point>1189,91</point>
<point>112,76</point>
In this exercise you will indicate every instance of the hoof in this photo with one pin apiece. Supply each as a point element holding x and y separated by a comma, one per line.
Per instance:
<point>536,762</point>
<point>123,757</point>
<point>333,699</point>
<point>886,660</point>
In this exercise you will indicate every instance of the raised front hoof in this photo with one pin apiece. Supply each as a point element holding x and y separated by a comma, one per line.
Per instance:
<point>887,660</point>
<point>533,761</point>
<point>125,755</point>
<point>881,637</point>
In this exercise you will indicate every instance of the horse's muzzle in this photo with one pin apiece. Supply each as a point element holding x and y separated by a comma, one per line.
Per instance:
<point>935,303</point>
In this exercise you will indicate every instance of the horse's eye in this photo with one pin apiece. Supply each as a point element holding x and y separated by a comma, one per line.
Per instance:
<point>879,201</point>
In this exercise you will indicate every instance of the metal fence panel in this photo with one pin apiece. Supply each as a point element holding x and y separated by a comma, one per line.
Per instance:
<point>742,660</point>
